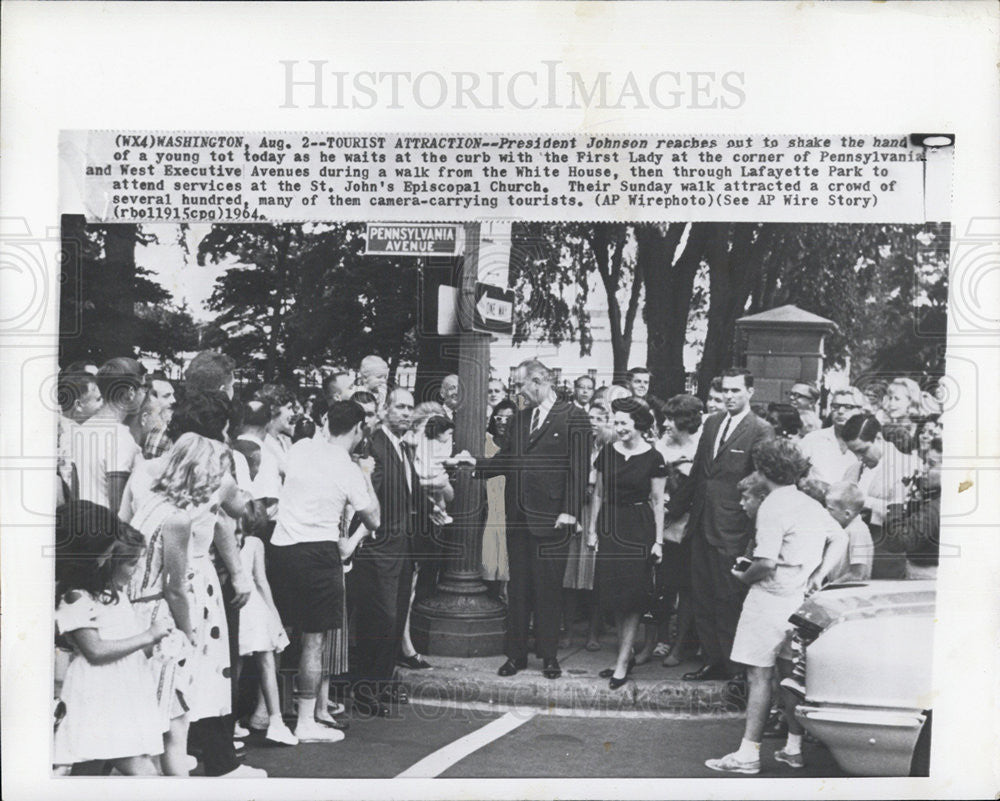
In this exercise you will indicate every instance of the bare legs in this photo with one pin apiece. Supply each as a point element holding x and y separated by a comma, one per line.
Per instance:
<point>174,758</point>
<point>628,628</point>
<point>758,702</point>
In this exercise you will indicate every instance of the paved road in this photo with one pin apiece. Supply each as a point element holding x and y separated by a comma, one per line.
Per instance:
<point>428,741</point>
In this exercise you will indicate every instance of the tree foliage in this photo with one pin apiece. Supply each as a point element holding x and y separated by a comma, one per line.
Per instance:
<point>885,286</point>
<point>103,293</point>
<point>551,266</point>
<point>300,296</point>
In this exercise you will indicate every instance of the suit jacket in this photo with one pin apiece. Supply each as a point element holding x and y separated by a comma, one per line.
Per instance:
<point>546,471</point>
<point>395,496</point>
<point>710,494</point>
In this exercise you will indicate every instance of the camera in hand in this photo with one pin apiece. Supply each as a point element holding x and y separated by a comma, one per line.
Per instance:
<point>741,564</point>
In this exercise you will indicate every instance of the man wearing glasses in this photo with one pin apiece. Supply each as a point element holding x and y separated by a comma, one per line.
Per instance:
<point>803,397</point>
<point>825,448</point>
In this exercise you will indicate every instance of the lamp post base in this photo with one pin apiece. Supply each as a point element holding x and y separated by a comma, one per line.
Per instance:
<point>460,619</point>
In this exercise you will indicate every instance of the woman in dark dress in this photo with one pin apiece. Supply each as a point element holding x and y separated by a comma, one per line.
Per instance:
<point>627,513</point>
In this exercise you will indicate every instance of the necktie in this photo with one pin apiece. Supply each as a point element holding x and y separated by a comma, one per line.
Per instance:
<point>534,421</point>
<point>406,451</point>
<point>725,433</point>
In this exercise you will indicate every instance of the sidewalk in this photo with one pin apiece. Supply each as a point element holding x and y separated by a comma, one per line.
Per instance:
<point>652,687</point>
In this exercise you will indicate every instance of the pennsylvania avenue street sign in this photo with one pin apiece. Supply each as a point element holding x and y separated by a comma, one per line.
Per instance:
<point>411,239</point>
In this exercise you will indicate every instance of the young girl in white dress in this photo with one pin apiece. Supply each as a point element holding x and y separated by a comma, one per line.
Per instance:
<point>108,691</point>
<point>262,636</point>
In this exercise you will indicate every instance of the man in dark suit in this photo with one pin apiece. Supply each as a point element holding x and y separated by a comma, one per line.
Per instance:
<point>546,460</point>
<point>717,526</point>
<point>383,569</point>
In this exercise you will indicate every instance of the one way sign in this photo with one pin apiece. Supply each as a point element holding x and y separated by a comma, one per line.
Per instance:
<point>494,312</point>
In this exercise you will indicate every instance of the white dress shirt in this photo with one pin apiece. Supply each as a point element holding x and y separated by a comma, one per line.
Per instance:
<point>734,421</point>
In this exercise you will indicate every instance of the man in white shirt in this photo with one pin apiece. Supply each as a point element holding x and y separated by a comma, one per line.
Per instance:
<point>103,449</point>
<point>305,570</point>
<point>79,400</point>
<point>825,449</point>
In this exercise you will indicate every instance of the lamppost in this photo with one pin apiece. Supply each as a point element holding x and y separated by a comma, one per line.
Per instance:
<point>460,619</point>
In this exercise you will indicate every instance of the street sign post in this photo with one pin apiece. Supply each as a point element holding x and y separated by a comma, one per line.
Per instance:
<point>494,309</point>
<point>412,239</point>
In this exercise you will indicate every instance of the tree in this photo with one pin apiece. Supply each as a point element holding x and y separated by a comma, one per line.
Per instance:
<point>101,289</point>
<point>551,265</point>
<point>668,279</point>
<point>165,330</point>
<point>885,286</point>
<point>302,296</point>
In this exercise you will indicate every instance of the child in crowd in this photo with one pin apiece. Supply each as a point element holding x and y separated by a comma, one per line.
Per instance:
<point>844,502</point>
<point>434,446</point>
<point>108,693</point>
<point>263,637</point>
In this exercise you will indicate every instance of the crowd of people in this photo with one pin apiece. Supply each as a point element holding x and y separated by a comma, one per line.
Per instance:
<point>203,534</point>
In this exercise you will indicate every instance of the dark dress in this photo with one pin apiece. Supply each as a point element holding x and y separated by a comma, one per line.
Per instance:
<point>626,528</point>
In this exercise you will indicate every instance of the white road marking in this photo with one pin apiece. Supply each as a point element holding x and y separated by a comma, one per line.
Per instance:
<point>437,763</point>
<point>583,712</point>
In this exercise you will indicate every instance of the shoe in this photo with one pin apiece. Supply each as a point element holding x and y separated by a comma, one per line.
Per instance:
<point>512,666</point>
<point>615,684</point>
<point>794,685</point>
<point>607,673</point>
<point>730,763</point>
<point>279,733</point>
<point>551,669</point>
<point>239,732</point>
<point>708,673</point>
<point>334,708</point>
<point>309,731</point>
<point>415,662</point>
<point>245,772</point>
<point>792,760</point>
<point>333,723</point>
<point>259,724</point>
<point>776,728</point>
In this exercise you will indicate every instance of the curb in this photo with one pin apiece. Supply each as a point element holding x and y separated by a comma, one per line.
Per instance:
<point>671,697</point>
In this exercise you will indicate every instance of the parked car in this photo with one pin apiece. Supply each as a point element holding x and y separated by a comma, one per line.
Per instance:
<point>868,674</point>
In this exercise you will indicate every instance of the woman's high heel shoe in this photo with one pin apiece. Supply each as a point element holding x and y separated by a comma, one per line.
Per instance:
<point>608,673</point>
<point>615,684</point>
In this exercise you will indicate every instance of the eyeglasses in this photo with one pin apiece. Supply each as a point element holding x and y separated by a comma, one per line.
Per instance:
<point>839,406</point>
<point>801,395</point>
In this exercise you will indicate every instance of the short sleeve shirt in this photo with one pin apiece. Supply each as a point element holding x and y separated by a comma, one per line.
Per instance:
<point>102,447</point>
<point>860,550</point>
<point>320,480</point>
<point>829,462</point>
<point>792,531</point>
